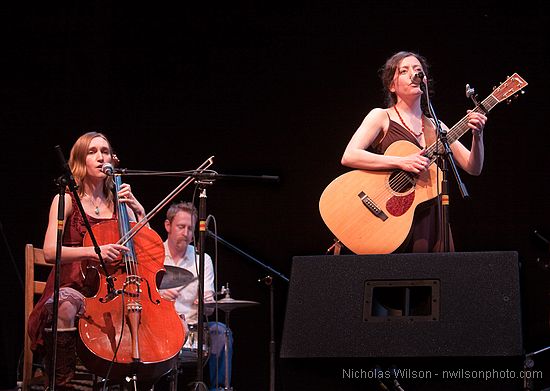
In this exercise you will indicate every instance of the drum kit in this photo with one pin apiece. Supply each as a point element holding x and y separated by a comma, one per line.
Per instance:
<point>177,277</point>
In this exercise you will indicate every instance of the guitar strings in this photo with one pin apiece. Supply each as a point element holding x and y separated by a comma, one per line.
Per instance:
<point>403,179</point>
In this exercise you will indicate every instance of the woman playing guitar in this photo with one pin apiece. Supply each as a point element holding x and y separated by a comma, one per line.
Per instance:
<point>405,118</point>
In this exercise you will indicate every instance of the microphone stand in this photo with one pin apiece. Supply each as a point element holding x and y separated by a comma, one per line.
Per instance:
<point>202,184</point>
<point>73,188</point>
<point>64,181</point>
<point>203,178</point>
<point>445,159</point>
<point>246,255</point>
<point>268,281</point>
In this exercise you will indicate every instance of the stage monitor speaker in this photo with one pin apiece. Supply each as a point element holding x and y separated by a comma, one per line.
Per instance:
<point>404,305</point>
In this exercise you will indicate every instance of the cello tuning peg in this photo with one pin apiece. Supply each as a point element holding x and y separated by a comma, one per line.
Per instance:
<point>116,160</point>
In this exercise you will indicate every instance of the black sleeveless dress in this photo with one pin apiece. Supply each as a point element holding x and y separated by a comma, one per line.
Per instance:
<point>425,235</point>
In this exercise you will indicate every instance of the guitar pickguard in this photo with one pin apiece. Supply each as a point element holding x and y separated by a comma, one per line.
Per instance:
<point>372,211</point>
<point>399,205</point>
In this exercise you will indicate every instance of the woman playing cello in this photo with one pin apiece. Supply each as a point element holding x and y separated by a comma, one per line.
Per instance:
<point>87,157</point>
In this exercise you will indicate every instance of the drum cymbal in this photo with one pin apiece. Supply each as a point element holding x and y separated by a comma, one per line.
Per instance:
<point>228,304</point>
<point>174,277</point>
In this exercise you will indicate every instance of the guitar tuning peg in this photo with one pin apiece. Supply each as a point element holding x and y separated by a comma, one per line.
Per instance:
<point>516,95</point>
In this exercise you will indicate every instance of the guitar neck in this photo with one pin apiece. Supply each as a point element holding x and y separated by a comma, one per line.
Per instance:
<point>461,126</point>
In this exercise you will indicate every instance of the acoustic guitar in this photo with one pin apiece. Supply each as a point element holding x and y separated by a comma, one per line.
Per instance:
<point>371,212</point>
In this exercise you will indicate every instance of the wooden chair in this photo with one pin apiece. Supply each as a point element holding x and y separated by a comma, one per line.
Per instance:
<point>34,258</point>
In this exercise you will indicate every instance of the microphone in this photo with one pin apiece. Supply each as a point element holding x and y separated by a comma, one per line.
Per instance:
<point>418,77</point>
<point>107,169</point>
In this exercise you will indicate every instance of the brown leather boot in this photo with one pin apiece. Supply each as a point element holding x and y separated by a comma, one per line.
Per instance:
<point>65,357</point>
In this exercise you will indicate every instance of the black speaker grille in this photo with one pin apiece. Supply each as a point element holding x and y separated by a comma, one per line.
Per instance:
<point>479,313</point>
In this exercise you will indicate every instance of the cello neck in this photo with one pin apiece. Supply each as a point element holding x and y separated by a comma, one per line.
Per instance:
<point>123,220</point>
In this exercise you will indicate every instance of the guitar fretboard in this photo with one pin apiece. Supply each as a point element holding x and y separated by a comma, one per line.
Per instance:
<point>461,127</point>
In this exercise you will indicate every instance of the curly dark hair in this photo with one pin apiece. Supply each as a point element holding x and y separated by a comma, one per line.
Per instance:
<point>387,73</point>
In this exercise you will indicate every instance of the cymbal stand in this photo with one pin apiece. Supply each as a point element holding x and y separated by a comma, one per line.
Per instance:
<point>133,380</point>
<point>269,282</point>
<point>226,387</point>
<point>202,184</point>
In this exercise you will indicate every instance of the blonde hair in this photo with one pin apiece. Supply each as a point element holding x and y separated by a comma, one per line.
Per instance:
<point>77,162</point>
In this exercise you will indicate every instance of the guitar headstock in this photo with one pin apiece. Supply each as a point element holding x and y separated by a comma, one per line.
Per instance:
<point>508,88</point>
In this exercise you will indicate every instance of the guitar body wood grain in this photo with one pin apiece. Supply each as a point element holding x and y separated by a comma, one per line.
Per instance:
<point>355,225</point>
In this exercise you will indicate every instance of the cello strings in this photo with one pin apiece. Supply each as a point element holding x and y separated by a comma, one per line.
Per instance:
<point>131,264</point>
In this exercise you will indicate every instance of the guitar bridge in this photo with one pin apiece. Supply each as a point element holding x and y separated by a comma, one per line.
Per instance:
<point>375,210</point>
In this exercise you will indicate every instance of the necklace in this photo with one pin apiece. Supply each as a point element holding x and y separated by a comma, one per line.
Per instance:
<point>406,127</point>
<point>96,210</point>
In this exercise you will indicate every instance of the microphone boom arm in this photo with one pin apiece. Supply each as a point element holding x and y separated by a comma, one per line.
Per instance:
<point>145,220</point>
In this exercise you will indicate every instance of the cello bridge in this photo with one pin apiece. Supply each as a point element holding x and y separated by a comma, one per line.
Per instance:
<point>132,286</point>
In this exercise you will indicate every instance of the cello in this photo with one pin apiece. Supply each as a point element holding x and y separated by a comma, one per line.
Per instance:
<point>123,332</point>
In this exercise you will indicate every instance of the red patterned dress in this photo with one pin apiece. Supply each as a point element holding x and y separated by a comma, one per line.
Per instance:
<point>72,285</point>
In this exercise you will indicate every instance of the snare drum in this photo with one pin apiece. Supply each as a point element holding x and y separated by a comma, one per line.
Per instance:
<point>188,353</point>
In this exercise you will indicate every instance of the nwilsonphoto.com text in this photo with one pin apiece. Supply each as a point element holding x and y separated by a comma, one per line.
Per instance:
<point>443,374</point>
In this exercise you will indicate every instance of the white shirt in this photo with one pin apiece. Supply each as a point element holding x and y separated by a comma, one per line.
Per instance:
<point>185,302</point>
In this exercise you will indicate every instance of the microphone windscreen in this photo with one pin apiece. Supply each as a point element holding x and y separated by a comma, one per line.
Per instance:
<point>107,168</point>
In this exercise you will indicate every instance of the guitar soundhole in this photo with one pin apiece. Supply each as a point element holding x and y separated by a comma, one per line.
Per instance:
<point>401,182</point>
